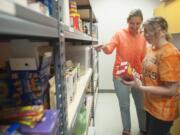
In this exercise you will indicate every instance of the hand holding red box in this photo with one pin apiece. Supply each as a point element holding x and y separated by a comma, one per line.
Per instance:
<point>125,71</point>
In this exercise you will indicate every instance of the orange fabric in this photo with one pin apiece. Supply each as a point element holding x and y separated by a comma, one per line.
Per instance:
<point>161,65</point>
<point>128,48</point>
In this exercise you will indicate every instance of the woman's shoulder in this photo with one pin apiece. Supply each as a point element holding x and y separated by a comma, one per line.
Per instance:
<point>122,31</point>
<point>169,50</point>
<point>121,34</point>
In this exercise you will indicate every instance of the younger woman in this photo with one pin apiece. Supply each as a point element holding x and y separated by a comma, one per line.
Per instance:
<point>161,73</point>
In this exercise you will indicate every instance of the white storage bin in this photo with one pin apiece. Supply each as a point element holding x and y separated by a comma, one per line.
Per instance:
<point>79,54</point>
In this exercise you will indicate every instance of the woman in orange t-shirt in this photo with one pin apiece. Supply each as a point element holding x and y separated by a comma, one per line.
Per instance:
<point>161,74</point>
<point>130,46</point>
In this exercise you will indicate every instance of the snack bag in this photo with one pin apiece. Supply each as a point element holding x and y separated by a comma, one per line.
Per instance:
<point>125,71</point>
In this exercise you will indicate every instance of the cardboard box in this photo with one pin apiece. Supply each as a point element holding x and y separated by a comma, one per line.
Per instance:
<point>52,93</point>
<point>71,84</point>
<point>125,71</point>
<point>23,64</point>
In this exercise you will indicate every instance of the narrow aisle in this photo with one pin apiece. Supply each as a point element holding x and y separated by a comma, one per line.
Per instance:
<point>107,117</point>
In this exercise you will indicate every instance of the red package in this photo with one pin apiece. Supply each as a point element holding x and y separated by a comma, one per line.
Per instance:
<point>125,71</point>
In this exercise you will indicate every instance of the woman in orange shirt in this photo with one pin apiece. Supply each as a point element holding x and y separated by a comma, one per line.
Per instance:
<point>130,46</point>
<point>161,74</point>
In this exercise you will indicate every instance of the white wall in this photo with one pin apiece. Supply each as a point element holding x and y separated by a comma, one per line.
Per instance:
<point>111,15</point>
<point>176,40</point>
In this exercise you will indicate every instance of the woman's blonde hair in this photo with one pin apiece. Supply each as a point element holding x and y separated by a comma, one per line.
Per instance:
<point>159,23</point>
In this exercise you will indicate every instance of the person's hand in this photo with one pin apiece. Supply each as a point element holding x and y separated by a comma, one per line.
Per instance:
<point>98,48</point>
<point>136,83</point>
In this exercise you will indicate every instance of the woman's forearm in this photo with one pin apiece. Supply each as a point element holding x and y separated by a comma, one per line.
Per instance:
<point>160,90</point>
<point>108,48</point>
<point>105,49</point>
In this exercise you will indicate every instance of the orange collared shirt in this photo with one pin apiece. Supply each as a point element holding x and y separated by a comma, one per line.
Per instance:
<point>128,48</point>
<point>161,65</point>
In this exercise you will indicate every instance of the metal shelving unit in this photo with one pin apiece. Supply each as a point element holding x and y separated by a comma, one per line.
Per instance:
<point>18,22</point>
<point>15,26</point>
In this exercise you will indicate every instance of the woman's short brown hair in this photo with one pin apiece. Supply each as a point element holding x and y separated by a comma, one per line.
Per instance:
<point>135,13</point>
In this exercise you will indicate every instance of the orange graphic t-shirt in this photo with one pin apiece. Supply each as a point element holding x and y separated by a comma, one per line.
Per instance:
<point>161,65</point>
<point>128,48</point>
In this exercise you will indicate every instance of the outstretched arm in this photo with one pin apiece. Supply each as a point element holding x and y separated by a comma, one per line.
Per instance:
<point>102,47</point>
<point>167,89</point>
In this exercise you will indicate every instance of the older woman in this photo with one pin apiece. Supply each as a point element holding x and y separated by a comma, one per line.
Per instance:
<point>130,46</point>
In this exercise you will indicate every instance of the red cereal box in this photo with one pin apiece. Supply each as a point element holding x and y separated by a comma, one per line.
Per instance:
<point>125,71</point>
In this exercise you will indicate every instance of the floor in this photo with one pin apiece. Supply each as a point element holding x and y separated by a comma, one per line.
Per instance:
<point>107,116</point>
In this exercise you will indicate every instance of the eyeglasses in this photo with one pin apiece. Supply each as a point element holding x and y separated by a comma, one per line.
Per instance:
<point>147,32</point>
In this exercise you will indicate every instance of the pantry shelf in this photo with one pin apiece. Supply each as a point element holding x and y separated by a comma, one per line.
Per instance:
<point>20,21</point>
<point>74,107</point>
<point>11,25</point>
<point>71,33</point>
<point>25,13</point>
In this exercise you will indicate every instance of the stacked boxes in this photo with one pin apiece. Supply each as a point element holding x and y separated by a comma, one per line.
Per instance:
<point>30,81</point>
<point>25,76</point>
<point>7,99</point>
<point>72,6</point>
<point>75,20</point>
<point>26,115</point>
<point>30,86</point>
<point>49,125</point>
<point>71,78</point>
